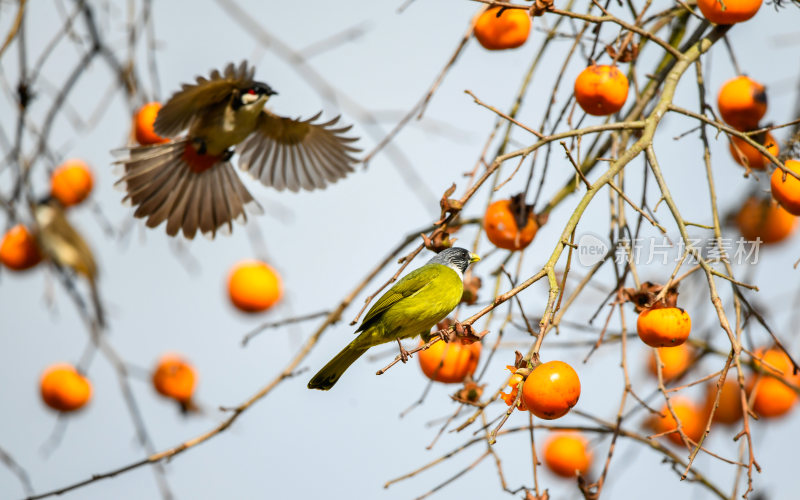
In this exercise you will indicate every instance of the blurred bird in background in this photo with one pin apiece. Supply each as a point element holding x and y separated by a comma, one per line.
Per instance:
<point>65,248</point>
<point>190,183</point>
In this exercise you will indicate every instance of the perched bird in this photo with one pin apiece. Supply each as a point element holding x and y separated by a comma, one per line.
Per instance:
<point>62,245</point>
<point>411,307</point>
<point>189,181</point>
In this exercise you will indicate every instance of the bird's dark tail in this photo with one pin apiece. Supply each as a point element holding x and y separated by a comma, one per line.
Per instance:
<point>172,182</point>
<point>331,372</point>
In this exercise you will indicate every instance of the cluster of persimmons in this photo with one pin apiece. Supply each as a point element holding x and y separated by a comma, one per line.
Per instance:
<point>602,90</point>
<point>253,286</point>
<point>742,102</point>
<point>769,389</point>
<point>550,389</point>
<point>65,389</point>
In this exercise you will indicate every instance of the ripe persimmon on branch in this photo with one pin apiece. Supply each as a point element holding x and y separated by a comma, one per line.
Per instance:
<point>591,115</point>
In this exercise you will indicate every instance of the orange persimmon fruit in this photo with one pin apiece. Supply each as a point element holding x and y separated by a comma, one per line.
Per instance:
<point>601,90</point>
<point>566,454</point>
<point>63,388</point>
<point>143,122</point>
<point>773,360</point>
<point>728,11</point>
<point>498,29</point>
<point>450,362</point>
<point>747,156</point>
<point>729,410</point>
<point>742,102</point>
<point>787,191</point>
<point>551,390</point>
<point>502,228</point>
<point>18,249</point>
<point>772,397</point>
<point>174,378</point>
<point>676,361</point>
<point>765,219</point>
<point>664,327</point>
<point>71,182</point>
<point>692,418</point>
<point>253,286</point>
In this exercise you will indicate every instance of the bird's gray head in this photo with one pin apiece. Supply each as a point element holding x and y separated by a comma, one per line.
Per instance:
<point>458,259</point>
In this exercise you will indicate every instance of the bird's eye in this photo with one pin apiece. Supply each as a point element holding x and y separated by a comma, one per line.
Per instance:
<point>251,92</point>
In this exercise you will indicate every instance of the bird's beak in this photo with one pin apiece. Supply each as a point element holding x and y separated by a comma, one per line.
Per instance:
<point>473,258</point>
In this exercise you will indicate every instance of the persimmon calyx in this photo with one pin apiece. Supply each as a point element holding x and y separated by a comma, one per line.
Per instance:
<point>539,7</point>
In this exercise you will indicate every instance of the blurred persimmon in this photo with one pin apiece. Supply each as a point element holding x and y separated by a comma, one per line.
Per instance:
<point>500,28</point>
<point>253,286</point>
<point>71,182</point>
<point>771,396</point>
<point>566,454</point>
<point>746,155</point>
<point>143,122</point>
<point>174,378</point>
<point>742,102</point>
<point>729,410</point>
<point>764,219</point>
<point>551,390</point>
<point>691,416</point>
<point>18,249</point>
<point>787,191</point>
<point>450,362</point>
<point>676,361</point>
<point>601,89</point>
<point>63,388</point>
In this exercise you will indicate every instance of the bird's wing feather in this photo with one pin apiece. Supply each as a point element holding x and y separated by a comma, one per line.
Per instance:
<point>287,153</point>
<point>195,98</point>
<point>409,285</point>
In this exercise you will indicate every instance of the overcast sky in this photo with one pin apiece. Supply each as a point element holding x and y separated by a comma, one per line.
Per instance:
<point>169,295</point>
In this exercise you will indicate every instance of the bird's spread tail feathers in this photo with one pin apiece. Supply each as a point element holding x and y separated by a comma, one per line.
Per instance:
<point>172,182</point>
<point>331,372</point>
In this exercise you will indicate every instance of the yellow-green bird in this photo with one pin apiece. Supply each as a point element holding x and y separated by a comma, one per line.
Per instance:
<point>411,307</point>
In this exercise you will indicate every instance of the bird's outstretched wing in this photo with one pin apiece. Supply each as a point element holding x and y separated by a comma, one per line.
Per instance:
<point>285,153</point>
<point>194,98</point>
<point>409,285</point>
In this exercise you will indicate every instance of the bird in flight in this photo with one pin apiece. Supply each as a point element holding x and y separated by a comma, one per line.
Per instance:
<point>189,181</point>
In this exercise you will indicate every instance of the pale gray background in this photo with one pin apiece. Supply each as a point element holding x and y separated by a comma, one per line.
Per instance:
<point>345,443</point>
